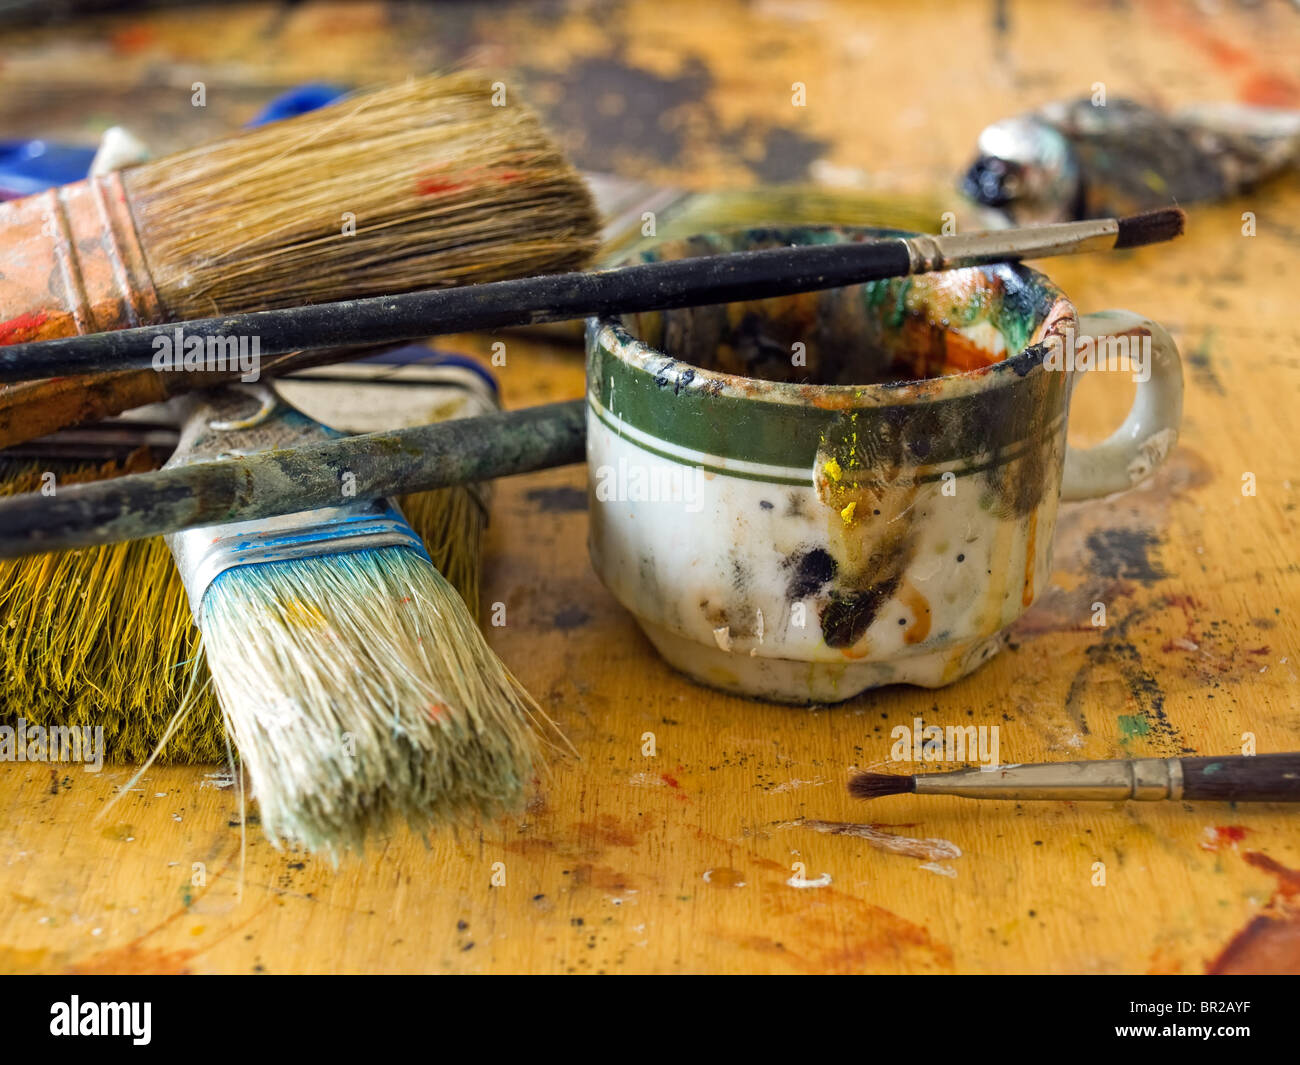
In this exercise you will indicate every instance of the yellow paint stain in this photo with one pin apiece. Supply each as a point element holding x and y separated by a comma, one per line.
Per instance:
<point>847,512</point>
<point>833,470</point>
<point>306,614</point>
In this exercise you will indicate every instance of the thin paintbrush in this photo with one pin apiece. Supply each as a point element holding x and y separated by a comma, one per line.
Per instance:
<point>1233,778</point>
<point>691,282</point>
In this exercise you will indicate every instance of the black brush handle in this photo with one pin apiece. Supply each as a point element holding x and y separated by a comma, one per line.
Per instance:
<point>698,281</point>
<point>1238,778</point>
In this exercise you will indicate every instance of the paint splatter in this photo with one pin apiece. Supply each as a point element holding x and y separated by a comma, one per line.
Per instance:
<point>1269,944</point>
<point>792,785</point>
<point>23,328</point>
<point>571,617</point>
<point>803,882</point>
<point>724,878</point>
<point>933,850</point>
<point>1216,837</point>
<point>1124,554</point>
<point>563,499</point>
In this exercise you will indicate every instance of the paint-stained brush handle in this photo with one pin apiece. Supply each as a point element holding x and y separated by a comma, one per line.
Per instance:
<point>293,479</point>
<point>1261,778</point>
<point>665,285</point>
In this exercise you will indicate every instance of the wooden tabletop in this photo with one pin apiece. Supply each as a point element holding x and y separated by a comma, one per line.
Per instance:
<point>684,861</point>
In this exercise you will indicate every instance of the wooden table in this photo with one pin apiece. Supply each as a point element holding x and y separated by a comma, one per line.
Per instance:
<point>682,862</point>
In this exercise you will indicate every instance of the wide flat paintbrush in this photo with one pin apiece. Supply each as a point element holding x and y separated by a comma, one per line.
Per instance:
<point>652,286</point>
<point>352,677</point>
<point>1232,778</point>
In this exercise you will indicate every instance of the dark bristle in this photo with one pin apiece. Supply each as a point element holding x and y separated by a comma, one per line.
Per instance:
<point>1151,227</point>
<point>878,785</point>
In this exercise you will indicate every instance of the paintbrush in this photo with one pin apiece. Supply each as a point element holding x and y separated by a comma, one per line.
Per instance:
<point>652,286</point>
<point>352,678</point>
<point>1232,778</point>
<point>415,186</point>
<point>104,635</point>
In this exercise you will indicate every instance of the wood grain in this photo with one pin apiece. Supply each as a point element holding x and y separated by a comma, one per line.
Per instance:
<point>683,861</point>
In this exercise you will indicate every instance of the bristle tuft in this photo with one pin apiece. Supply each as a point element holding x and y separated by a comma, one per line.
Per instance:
<point>878,785</point>
<point>1151,227</point>
<point>360,692</point>
<point>419,185</point>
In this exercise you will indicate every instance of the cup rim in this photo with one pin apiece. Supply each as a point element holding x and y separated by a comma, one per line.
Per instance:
<point>610,333</point>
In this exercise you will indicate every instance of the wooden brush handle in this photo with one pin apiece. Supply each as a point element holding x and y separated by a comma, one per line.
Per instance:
<point>32,409</point>
<point>1261,778</point>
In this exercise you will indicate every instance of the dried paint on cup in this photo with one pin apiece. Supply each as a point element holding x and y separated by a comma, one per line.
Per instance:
<point>802,498</point>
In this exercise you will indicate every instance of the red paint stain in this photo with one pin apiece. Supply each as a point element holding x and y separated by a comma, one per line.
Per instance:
<point>439,182</point>
<point>1269,945</point>
<point>133,39</point>
<point>669,780</point>
<point>1223,836</point>
<point>1263,88</point>
<point>437,186</point>
<point>23,328</point>
<point>1288,880</point>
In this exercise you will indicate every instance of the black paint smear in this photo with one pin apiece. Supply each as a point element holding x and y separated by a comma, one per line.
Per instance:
<point>812,569</point>
<point>571,617</point>
<point>564,499</point>
<point>1203,367</point>
<point>846,618</point>
<point>612,108</point>
<point>1117,651</point>
<point>1123,554</point>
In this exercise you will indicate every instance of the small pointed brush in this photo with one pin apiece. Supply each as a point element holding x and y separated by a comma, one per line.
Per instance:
<point>1234,778</point>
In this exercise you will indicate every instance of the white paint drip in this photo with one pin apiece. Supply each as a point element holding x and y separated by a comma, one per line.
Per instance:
<point>792,785</point>
<point>803,882</point>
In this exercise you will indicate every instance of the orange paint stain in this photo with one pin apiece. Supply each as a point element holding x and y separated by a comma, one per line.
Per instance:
<point>1031,540</point>
<point>912,598</point>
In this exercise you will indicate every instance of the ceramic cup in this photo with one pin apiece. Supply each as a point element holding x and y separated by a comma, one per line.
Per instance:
<point>802,498</point>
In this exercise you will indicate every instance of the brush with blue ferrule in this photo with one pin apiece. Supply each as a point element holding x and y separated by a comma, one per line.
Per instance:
<point>351,676</point>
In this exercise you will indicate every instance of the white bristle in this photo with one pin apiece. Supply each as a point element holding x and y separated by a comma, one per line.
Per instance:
<point>359,691</point>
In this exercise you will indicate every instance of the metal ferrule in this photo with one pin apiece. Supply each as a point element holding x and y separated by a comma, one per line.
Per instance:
<point>73,262</point>
<point>929,253</point>
<point>1145,779</point>
<point>204,554</point>
<point>242,420</point>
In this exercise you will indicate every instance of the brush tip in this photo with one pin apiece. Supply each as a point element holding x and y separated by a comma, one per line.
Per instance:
<point>1151,227</point>
<point>878,785</point>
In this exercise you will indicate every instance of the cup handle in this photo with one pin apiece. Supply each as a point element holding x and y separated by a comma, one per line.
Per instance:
<point>1131,453</point>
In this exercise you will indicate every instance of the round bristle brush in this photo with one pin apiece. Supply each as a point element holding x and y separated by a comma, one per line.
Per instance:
<point>419,185</point>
